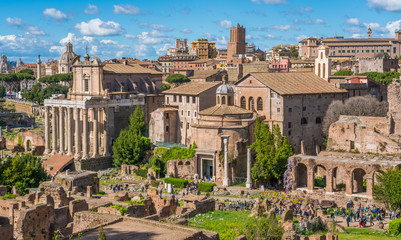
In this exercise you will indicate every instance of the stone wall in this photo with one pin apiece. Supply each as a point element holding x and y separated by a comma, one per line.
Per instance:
<point>6,229</point>
<point>61,217</point>
<point>76,206</point>
<point>34,223</point>
<point>79,179</point>
<point>394,102</point>
<point>128,169</point>
<point>21,107</point>
<point>94,164</point>
<point>55,191</point>
<point>183,168</point>
<point>86,220</point>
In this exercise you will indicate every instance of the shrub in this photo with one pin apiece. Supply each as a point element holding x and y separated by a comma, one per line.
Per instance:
<point>155,183</point>
<point>320,182</point>
<point>122,209</point>
<point>176,182</point>
<point>101,192</point>
<point>141,172</point>
<point>206,187</point>
<point>9,196</point>
<point>394,227</point>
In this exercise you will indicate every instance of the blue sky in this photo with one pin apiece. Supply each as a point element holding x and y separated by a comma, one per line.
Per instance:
<point>147,28</point>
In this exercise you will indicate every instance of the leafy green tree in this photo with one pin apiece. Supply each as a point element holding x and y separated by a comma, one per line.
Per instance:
<point>130,146</point>
<point>63,77</point>
<point>165,87</point>
<point>214,55</point>
<point>177,79</point>
<point>343,73</point>
<point>272,151</point>
<point>28,71</point>
<point>387,189</point>
<point>294,52</point>
<point>24,171</point>
<point>13,79</point>
<point>385,78</point>
<point>2,91</point>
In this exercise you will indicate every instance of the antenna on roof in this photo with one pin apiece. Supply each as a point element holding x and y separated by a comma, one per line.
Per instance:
<point>86,49</point>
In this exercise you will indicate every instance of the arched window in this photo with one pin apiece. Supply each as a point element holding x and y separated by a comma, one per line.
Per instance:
<point>251,104</point>
<point>318,70</point>
<point>86,85</point>
<point>228,100</point>
<point>218,99</point>
<point>223,100</point>
<point>243,102</point>
<point>260,104</point>
<point>318,120</point>
<point>324,70</point>
<point>303,121</point>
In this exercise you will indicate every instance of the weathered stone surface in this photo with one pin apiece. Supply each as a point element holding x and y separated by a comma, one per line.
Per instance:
<point>287,216</point>
<point>56,192</point>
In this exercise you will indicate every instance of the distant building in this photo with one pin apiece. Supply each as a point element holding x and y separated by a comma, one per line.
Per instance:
<point>166,64</point>
<point>352,47</point>
<point>323,63</point>
<point>4,66</point>
<point>65,63</point>
<point>378,64</point>
<point>237,43</point>
<point>282,66</point>
<point>204,48</point>
<point>20,63</point>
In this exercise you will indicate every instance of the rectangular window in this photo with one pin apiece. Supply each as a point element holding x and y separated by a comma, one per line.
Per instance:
<point>289,109</point>
<point>182,112</point>
<point>367,51</point>
<point>188,99</point>
<point>193,99</point>
<point>347,51</point>
<point>394,50</point>
<point>289,125</point>
<point>303,108</point>
<point>289,133</point>
<point>175,98</point>
<point>278,109</point>
<point>180,98</point>
<point>189,113</point>
<point>86,82</point>
<point>187,125</point>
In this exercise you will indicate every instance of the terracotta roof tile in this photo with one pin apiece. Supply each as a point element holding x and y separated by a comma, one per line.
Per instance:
<point>295,83</point>
<point>127,68</point>
<point>220,110</point>
<point>192,88</point>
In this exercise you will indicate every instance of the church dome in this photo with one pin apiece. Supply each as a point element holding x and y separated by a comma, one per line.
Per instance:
<point>68,55</point>
<point>224,89</point>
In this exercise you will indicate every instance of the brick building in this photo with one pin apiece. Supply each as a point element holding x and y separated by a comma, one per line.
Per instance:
<point>204,48</point>
<point>237,43</point>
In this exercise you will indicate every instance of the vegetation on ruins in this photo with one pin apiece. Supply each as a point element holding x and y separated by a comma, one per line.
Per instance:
<point>343,73</point>
<point>63,77</point>
<point>24,171</point>
<point>120,208</point>
<point>177,78</point>
<point>102,234</point>
<point>206,187</point>
<point>272,151</point>
<point>38,95</point>
<point>131,145</point>
<point>176,182</point>
<point>394,227</point>
<point>385,78</point>
<point>355,106</point>
<point>387,189</point>
<point>165,87</point>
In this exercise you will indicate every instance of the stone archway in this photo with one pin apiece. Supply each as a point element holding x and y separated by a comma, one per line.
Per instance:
<point>320,176</point>
<point>301,175</point>
<point>358,178</point>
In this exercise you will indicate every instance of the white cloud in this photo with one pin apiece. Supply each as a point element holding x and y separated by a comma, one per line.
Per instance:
<point>107,41</point>
<point>357,35</point>
<point>119,54</point>
<point>281,28</point>
<point>94,50</point>
<point>392,27</point>
<point>159,27</point>
<point>186,30</point>
<point>91,9</point>
<point>388,5</point>
<point>162,50</point>
<point>126,9</point>
<point>353,21</point>
<point>20,24</point>
<point>375,27</point>
<point>301,37</point>
<point>274,2</point>
<point>353,30</point>
<point>225,24</point>
<point>221,42</point>
<point>24,43</point>
<point>97,27</point>
<point>271,36</point>
<point>319,21</point>
<point>55,14</point>
<point>149,38</point>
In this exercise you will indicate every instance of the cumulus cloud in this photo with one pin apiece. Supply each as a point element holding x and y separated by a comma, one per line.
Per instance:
<point>388,5</point>
<point>225,24</point>
<point>353,21</point>
<point>281,28</point>
<point>91,9</point>
<point>301,37</point>
<point>108,41</point>
<point>159,27</point>
<point>24,43</point>
<point>221,42</point>
<point>20,24</point>
<point>54,14</point>
<point>357,35</point>
<point>319,21</point>
<point>126,9</point>
<point>149,38</point>
<point>186,30</point>
<point>97,27</point>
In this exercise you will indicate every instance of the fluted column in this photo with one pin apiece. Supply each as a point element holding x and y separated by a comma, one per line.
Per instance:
<point>248,169</point>
<point>85,133</point>
<point>106,132</point>
<point>61,130</point>
<point>77,133</point>
<point>95,139</point>
<point>226,181</point>
<point>47,131</point>
<point>69,131</point>
<point>54,130</point>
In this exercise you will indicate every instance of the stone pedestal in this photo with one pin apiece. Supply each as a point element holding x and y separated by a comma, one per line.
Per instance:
<point>248,169</point>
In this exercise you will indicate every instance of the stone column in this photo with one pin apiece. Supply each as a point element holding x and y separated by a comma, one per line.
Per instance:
<point>311,178</point>
<point>329,180</point>
<point>61,128</point>
<point>95,139</point>
<point>369,186</point>
<point>47,131</point>
<point>54,130</point>
<point>349,184</point>
<point>77,133</point>
<point>69,131</point>
<point>85,133</point>
<point>226,181</point>
<point>106,132</point>
<point>248,168</point>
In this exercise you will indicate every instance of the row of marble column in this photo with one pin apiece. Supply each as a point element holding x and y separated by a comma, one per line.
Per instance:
<point>65,126</point>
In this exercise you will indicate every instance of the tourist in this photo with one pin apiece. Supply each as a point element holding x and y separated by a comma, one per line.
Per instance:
<point>348,220</point>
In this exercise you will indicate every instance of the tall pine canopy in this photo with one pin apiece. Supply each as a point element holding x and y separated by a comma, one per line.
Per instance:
<point>131,145</point>
<point>272,151</point>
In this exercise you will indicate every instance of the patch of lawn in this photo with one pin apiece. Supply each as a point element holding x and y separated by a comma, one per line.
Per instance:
<point>366,234</point>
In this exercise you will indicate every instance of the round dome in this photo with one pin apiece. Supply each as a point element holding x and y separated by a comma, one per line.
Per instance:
<point>68,55</point>
<point>224,89</point>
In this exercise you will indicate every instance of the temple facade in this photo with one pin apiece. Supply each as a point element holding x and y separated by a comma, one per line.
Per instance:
<point>81,127</point>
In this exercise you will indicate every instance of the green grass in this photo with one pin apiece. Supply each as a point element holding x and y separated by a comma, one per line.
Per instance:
<point>227,223</point>
<point>110,181</point>
<point>365,233</point>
